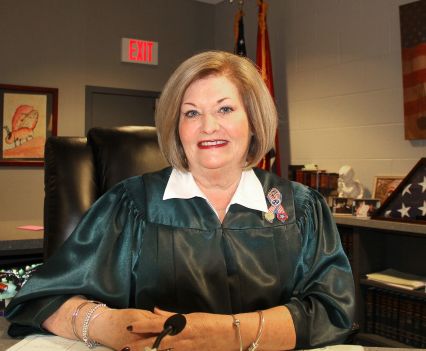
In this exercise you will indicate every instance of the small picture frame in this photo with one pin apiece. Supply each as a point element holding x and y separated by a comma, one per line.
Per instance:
<point>342,206</point>
<point>384,186</point>
<point>28,117</point>
<point>365,208</point>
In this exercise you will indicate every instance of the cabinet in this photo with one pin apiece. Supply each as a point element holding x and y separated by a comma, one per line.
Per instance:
<point>387,316</point>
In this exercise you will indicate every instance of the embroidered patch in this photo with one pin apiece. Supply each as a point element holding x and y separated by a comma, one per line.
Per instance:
<point>276,209</point>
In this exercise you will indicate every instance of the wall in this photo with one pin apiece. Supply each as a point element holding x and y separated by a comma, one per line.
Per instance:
<point>71,44</point>
<point>337,72</point>
<point>337,68</point>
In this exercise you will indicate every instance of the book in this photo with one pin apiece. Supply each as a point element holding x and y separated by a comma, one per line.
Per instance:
<point>398,279</point>
<point>396,316</point>
<point>369,310</point>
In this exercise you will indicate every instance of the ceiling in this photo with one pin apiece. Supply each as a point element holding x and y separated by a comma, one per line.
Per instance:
<point>214,2</point>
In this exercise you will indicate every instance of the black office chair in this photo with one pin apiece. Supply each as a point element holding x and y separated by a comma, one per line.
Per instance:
<point>79,170</point>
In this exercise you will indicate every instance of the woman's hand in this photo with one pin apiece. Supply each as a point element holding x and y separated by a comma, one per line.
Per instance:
<point>203,331</point>
<point>113,328</point>
<point>135,329</point>
<point>216,332</point>
<point>108,326</point>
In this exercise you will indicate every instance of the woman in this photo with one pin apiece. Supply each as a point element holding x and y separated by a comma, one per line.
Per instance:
<point>251,260</point>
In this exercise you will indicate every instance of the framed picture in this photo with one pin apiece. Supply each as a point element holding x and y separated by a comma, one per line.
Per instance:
<point>28,117</point>
<point>342,206</point>
<point>365,208</point>
<point>384,186</point>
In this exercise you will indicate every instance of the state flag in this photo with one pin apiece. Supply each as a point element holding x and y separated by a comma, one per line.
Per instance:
<point>271,161</point>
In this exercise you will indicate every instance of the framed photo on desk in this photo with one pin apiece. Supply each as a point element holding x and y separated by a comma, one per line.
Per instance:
<point>384,186</point>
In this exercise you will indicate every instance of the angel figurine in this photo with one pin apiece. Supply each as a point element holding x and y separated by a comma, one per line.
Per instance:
<point>347,186</point>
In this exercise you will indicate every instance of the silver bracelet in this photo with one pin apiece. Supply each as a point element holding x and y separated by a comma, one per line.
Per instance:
<point>255,344</point>
<point>236,324</point>
<point>74,317</point>
<point>85,332</point>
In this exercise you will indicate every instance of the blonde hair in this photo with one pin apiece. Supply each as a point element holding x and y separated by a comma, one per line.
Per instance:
<point>258,103</point>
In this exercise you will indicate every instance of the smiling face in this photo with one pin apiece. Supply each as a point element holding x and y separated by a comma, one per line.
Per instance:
<point>213,125</point>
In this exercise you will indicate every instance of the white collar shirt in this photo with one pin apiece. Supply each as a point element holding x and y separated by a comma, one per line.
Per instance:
<point>249,193</point>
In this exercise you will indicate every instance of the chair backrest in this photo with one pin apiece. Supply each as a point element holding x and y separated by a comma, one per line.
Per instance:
<point>79,170</point>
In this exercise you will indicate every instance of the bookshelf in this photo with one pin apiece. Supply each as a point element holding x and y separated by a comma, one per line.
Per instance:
<point>387,316</point>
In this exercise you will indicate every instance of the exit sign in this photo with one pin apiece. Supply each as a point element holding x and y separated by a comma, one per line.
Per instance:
<point>139,51</point>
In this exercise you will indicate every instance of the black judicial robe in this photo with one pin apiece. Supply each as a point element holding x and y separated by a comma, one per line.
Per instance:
<point>133,249</point>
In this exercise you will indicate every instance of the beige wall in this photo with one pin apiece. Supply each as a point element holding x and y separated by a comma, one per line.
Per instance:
<point>337,72</point>
<point>71,44</point>
<point>341,102</point>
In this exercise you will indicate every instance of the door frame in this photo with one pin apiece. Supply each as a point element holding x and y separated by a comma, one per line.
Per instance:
<point>91,90</point>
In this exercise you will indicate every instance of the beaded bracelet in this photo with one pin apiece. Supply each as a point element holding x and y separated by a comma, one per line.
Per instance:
<point>255,344</point>
<point>85,332</point>
<point>236,324</point>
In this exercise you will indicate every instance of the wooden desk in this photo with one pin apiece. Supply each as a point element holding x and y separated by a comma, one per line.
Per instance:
<point>19,246</point>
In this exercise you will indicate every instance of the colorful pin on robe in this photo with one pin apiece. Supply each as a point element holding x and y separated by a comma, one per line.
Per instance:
<point>276,209</point>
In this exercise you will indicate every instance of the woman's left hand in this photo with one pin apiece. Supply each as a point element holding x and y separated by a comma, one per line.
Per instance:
<point>203,331</point>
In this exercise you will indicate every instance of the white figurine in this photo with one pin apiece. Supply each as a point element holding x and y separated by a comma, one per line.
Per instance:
<point>348,186</point>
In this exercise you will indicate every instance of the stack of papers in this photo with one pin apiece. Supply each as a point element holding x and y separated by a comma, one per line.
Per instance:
<point>398,279</point>
<point>51,343</point>
<point>56,343</point>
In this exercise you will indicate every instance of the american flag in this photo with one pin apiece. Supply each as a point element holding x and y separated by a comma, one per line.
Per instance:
<point>413,41</point>
<point>408,201</point>
<point>240,42</point>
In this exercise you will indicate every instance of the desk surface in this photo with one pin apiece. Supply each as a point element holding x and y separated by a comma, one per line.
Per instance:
<point>6,341</point>
<point>12,238</point>
<point>20,247</point>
